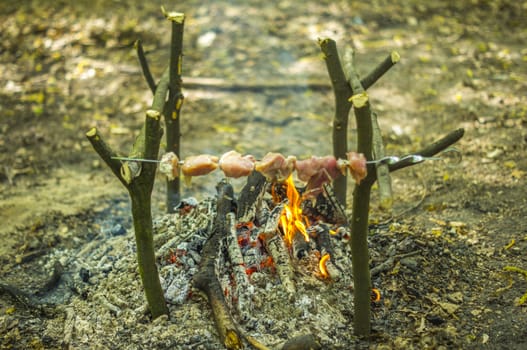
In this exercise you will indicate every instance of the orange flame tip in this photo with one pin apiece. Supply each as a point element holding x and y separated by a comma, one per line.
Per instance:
<point>322,265</point>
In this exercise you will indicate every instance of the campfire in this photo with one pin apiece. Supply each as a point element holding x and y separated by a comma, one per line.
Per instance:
<point>276,253</point>
<point>263,257</point>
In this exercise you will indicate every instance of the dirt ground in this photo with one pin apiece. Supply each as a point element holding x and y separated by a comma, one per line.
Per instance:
<point>457,232</point>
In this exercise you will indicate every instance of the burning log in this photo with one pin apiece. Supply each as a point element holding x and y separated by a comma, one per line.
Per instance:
<point>278,251</point>
<point>276,247</point>
<point>323,241</point>
<point>206,280</point>
<point>243,286</point>
<point>256,255</point>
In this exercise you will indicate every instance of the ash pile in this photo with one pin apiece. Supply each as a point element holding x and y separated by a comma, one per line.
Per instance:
<point>278,265</point>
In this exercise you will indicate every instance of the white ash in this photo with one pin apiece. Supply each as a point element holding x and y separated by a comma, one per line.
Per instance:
<point>110,307</point>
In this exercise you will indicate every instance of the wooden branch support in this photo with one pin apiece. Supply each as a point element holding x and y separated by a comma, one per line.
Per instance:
<point>138,179</point>
<point>343,89</point>
<point>384,180</point>
<point>144,66</point>
<point>357,84</point>
<point>342,92</point>
<point>172,110</point>
<point>361,200</point>
<point>432,149</point>
<point>380,70</point>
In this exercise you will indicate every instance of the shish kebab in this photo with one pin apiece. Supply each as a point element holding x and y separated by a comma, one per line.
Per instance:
<point>315,171</point>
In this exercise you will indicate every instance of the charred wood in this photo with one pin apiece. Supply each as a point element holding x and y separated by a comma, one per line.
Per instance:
<point>301,342</point>
<point>251,197</point>
<point>243,286</point>
<point>300,247</point>
<point>326,207</point>
<point>322,239</point>
<point>205,279</point>
<point>277,249</point>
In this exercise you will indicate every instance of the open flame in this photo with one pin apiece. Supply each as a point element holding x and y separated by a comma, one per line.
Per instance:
<point>322,265</point>
<point>292,221</point>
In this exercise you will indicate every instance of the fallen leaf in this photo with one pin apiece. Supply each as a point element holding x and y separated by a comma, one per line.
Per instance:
<point>517,174</point>
<point>448,307</point>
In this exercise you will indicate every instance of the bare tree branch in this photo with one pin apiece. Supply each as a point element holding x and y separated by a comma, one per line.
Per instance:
<point>144,66</point>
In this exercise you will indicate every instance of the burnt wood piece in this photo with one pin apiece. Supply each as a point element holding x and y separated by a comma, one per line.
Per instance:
<point>323,239</point>
<point>251,197</point>
<point>300,246</point>
<point>301,342</point>
<point>326,207</point>
<point>27,300</point>
<point>205,279</point>
<point>53,280</point>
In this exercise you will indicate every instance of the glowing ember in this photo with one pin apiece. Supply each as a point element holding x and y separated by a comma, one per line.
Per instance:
<point>375,295</point>
<point>292,220</point>
<point>322,265</point>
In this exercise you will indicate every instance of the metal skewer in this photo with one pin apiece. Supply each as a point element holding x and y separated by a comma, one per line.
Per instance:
<point>138,160</point>
<point>413,158</point>
<point>142,160</point>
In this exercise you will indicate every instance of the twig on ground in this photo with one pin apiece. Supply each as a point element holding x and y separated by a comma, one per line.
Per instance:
<point>69,326</point>
<point>218,84</point>
<point>388,263</point>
